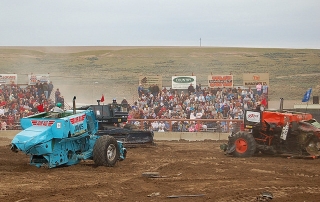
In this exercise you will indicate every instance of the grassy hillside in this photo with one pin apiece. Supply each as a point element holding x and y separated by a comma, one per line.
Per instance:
<point>114,71</point>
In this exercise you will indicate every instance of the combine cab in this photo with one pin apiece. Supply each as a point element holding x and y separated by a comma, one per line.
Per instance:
<point>110,117</point>
<point>279,132</point>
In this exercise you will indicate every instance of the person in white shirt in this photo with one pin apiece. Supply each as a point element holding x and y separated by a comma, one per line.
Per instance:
<point>161,126</point>
<point>192,116</point>
<point>1,111</point>
<point>155,125</point>
<point>199,114</point>
<point>3,125</point>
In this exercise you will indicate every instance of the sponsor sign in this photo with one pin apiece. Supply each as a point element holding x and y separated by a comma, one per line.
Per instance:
<point>215,81</point>
<point>252,79</point>
<point>42,123</point>
<point>78,123</point>
<point>77,119</point>
<point>253,116</point>
<point>8,79</point>
<point>33,78</point>
<point>284,132</point>
<point>183,82</point>
<point>147,81</point>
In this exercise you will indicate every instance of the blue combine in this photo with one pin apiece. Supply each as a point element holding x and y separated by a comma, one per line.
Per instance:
<point>61,139</point>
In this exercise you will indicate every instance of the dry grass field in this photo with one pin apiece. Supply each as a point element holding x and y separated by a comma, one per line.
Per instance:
<point>89,72</point>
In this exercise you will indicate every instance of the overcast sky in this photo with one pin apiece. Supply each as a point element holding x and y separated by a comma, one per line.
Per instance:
<point>230,23</point>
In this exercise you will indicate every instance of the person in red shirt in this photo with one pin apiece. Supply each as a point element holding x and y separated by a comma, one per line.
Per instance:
<point>10,119</point>
<point>20,95</point>
<point>3,103</point>
<point>40,108</point>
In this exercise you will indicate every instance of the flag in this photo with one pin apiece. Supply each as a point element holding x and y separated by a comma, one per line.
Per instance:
<point>306,96</point>
<point>102,98</point>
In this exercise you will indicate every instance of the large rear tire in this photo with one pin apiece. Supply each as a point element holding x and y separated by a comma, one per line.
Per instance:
<point>245,145</point>
<point>106,151</point>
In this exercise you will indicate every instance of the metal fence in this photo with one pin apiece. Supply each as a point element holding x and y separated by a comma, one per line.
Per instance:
<point>189,125</point>
<point>176,125</point>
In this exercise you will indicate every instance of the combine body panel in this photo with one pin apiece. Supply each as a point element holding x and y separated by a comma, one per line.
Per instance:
<point>275,133</point>
<point>56,139</point>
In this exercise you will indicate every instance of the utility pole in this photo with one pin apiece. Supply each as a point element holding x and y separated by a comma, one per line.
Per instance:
<point>200,42</point>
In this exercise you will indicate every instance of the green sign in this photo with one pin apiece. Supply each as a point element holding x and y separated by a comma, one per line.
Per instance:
<point>183,79</point>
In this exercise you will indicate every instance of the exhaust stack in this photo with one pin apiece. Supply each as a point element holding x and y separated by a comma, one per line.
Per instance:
<point>281,104</point>
<point>74,104</point>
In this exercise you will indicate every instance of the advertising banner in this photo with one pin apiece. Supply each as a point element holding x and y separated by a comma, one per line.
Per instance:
<point>8,79</point>
<point>147,81</point>
<point>183,82</point>
<point>33,78</point>
<point>252,79</point>
<point>215,81</point>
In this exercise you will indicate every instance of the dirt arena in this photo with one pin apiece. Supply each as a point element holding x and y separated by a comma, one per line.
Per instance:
<point>186,168</point>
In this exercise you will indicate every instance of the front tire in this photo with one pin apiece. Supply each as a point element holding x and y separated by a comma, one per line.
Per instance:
<point>245,145</point>
<point>106,151</point>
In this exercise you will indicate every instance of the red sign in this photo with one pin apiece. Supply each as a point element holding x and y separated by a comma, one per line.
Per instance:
<point>77,119</point>
<point>42,123</point>
<point>215,81</point>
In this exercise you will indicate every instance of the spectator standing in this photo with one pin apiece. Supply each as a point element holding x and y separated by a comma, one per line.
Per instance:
<point>259,88</point>
<point>191,89</point>
<point>50,88</point>
<point>57,95</point>
<point>156,90</point>
<point>39,87</point>
<point>251,93</point>
<point>198,87</point>
<point>140,90</point>
<point>265,89</point>
<point>45,87</point>
<point>61,100</point>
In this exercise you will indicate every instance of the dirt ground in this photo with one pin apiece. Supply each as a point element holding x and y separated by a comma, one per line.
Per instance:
<point>187,168</point>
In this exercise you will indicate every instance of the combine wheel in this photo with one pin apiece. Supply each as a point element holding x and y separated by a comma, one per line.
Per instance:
<point>312,148</point>
<point>106,151</point>
<point>245,145</point>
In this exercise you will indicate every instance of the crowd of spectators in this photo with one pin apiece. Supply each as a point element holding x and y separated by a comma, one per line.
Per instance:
<point>191,104</point>
<point>20,101</point>
<point>195,103</point>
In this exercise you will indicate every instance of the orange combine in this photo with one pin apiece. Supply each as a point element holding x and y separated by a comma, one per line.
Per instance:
<point>275,132</point>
